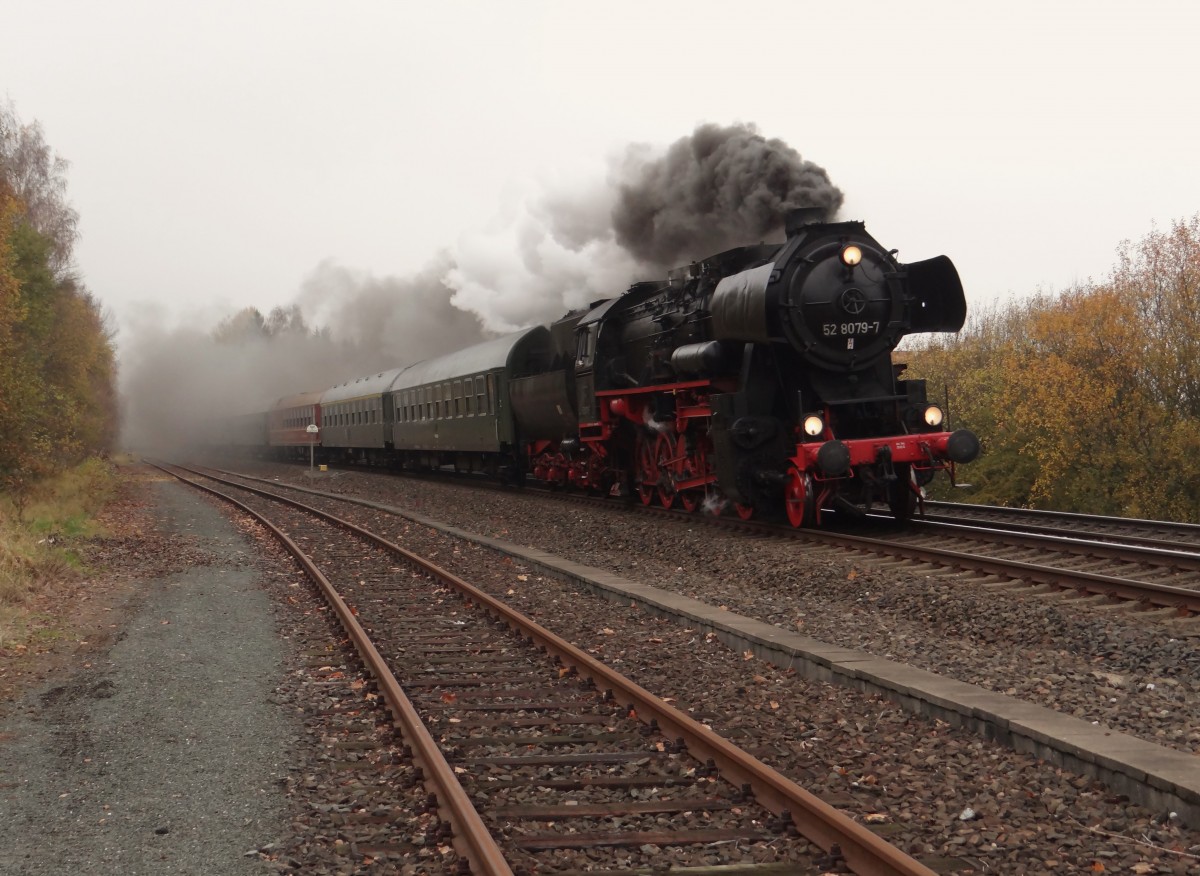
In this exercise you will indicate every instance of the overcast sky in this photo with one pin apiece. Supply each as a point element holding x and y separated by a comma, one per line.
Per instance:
<point>226,154</point>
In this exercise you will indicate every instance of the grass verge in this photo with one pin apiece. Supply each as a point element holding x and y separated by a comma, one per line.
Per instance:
<point>39,537</point>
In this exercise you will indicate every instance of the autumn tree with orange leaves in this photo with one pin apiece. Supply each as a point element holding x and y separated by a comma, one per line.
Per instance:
<point>1088,400</point>
<point>57,372</point>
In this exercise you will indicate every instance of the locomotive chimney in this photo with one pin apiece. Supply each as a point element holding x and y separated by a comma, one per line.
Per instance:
<point>801,216</point>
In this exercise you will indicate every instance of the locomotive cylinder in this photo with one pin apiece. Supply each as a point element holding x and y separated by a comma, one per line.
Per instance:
<point>708,357</point>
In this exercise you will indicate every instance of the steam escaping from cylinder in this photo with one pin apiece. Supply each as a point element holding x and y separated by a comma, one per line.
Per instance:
<point>718,188</point>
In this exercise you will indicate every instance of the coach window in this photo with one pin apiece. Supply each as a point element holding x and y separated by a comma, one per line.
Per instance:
<point>491,394</point>
<point>480,405</point>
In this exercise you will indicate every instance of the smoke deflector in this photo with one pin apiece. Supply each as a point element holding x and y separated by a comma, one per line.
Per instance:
<point>936,292</point>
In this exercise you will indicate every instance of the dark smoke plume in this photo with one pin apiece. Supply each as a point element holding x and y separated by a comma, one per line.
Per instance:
<point>719,188</point>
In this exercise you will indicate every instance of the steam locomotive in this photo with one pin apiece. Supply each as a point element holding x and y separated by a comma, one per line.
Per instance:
<point>759,379</point>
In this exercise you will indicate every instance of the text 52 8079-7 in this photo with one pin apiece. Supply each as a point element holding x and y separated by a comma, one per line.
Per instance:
<point>834,329</point>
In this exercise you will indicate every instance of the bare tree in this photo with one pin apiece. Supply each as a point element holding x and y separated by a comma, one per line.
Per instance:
<point>38,178</point>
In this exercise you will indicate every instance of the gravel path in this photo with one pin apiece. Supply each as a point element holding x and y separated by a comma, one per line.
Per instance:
<point>162,754</point>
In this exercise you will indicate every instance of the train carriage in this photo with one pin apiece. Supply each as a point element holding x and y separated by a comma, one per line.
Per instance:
<point>359,416</point>
<point>247,433</point>
<point>288,420</point>
<point>454,409</point>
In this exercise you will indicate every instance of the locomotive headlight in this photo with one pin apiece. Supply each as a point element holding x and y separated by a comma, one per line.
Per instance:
<point>851,255</point>
<point>813,425</point>
<point>934,416</point>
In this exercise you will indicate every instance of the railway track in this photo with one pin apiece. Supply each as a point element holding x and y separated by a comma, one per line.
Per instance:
<point>1167,535</point>
<point>1147,571</point>
<point>1150,567</point>
<point>1153,579</point>
<point>537,757</point>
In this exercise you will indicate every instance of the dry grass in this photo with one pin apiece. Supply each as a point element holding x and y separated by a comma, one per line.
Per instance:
<point>37,540</point>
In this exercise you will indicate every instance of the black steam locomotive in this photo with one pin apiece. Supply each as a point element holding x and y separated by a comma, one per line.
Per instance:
<point>761,376</point>
<point>759,379</point>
